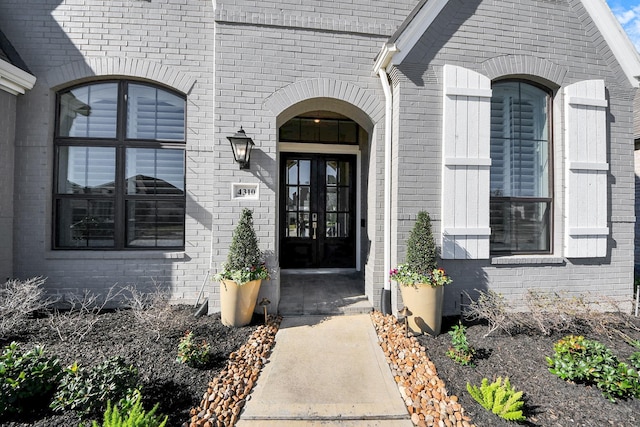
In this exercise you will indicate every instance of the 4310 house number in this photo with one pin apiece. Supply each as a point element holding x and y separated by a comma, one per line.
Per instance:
<point>244,191</point>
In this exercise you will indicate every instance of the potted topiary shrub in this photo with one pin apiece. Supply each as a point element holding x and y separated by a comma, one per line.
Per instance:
<point>421,281</point>
<point>241,274</point>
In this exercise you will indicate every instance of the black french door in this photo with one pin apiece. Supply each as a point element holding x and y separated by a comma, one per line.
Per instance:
<point>317,206</point>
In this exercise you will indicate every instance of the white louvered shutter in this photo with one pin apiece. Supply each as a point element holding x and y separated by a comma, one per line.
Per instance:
<point>586,229</point>
<point>466,162</point>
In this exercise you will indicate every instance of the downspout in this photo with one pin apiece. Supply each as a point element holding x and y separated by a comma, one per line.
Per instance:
<point>385,302</point>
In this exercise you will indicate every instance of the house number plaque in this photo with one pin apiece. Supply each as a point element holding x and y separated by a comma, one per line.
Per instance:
<point>244,191</point>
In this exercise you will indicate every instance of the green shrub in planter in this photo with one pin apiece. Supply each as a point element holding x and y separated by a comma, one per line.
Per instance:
<point>87,391</point>
<point>26,378</point>
<point>245,260</point>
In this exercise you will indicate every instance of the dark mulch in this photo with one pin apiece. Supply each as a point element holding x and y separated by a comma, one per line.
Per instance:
<point>175,386</point>
<point>178,387</point>
<point>550,401</point>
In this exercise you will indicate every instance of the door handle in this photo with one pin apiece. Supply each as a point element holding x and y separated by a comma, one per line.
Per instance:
<point>314,225</point>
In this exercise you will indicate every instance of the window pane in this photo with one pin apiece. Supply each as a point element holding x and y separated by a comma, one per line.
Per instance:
<point>89,111</point>
<point>343,199</point>
<point>331,172</point>
<point>290,131</point>
<point>348,132</point>
<point>292,172</point>
<point>153,113</point>
<point>309,131</point>
<point>84,223</point>
<point>292,225</point>
<point>337,225</point>
<point>519,226</point>
<point>519,141</point>
<point>328,131</point>
<point>155,171</point>
<point>155,223</point>
<point>86,170</point>
<point>331,203</point>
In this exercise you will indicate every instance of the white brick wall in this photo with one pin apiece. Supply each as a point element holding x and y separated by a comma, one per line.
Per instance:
<point>266,58</point>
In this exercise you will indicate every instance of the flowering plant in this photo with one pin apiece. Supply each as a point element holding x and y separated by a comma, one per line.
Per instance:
<point>408,277</point>
<point>244,275</point>
<point>244,261</point>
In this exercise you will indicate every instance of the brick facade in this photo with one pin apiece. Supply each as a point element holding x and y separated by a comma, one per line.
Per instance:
<point>255,65</point>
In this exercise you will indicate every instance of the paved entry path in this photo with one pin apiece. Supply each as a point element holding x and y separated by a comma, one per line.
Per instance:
<point>326,371</point>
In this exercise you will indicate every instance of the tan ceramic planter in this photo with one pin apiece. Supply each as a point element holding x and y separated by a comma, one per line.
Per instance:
<point>237,302</point>
<point>425,303</point>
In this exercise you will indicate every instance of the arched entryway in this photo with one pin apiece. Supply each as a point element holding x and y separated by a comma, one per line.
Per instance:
<point>321,208</point>
<point>319,191</point>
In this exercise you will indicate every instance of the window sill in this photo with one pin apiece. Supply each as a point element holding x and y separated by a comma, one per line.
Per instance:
<point>115,255</point>
<point>528,260</point>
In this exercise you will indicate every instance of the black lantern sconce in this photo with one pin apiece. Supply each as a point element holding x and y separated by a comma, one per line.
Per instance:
<point>241,145</point>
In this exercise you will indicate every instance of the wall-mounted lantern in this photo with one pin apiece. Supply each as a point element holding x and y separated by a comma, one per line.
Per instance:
<point>241,145</point>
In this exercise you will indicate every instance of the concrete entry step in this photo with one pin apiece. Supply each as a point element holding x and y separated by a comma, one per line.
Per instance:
<point>322,293</point>
<point>326,370</point>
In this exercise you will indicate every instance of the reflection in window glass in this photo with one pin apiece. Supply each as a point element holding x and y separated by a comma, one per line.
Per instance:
<point>520,168</point>
<point>153,113</point>
<point>86,170</point>
<point>155,171</point>
<point>85,223</point>
<point>119,182</point>
<point>155,223</point>
<point>89,111</point>
<point>332,199</point>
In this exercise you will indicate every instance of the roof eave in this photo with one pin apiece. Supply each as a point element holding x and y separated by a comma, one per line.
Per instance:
<point>616,38</point>
<point>15,80</point>
<point>385,57</point>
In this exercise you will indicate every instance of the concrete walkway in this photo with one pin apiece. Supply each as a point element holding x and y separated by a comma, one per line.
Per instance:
<point>326,371</point>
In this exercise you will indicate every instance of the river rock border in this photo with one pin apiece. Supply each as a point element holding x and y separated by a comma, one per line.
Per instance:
<point>423,392</point>
<point>227,393</point>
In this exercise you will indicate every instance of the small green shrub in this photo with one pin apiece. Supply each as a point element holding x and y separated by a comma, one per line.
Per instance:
<point>191,353</point>
<point>87,391</point>
<point>499,398</point>
<point>460,352</point>
<point>131,414</point>
<point>25,378</point>
<point>586,361</point>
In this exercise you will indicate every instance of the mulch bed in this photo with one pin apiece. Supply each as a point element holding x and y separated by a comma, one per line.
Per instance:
<point>549,401</point>
<point>175,386</point>
<point>178,388</point>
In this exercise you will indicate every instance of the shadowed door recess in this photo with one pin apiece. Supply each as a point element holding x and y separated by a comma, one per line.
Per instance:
<point>318,207</point>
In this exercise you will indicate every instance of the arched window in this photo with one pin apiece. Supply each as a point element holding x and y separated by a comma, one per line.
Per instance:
<point>120,167</point>
<point>521,196</point>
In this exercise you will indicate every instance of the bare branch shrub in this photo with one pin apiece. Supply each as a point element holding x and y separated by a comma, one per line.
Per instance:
<point>491,307</point>
<point>612,319</point>
<point>151,309</point>
<point>81,313</point>
<point>19,299</point>
<point>550,312</point>
<point>558,312</point>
